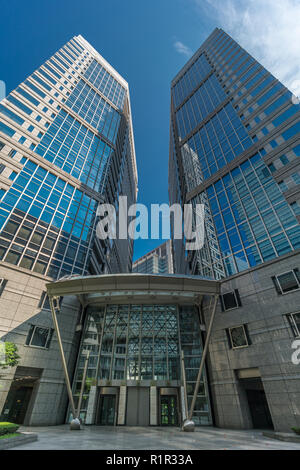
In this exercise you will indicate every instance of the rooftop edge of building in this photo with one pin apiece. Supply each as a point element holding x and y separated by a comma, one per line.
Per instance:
<point>103,61</point>
<point>122,81</point>
<point>194,57</point>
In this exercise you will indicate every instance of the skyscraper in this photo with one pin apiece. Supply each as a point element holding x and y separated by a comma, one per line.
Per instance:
<point>157,261</point>
<point>236,129</point>
<point>243,125</point>
<point>66,143</point>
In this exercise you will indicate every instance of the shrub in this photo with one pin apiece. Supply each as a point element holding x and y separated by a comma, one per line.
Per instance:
<point>296,430</point>
<point>8,428</point>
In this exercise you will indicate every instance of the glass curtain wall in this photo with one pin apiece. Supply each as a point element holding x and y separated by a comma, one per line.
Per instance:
<point>142,342</point>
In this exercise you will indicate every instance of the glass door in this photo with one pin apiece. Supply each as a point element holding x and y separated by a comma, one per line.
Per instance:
<point>107,410</point>
<point>168,410</point>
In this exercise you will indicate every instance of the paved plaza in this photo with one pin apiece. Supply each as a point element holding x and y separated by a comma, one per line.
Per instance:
<point>157,438</point>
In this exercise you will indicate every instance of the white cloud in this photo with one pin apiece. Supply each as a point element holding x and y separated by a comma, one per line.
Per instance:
<point>267,29</point>
<point>182,49</point>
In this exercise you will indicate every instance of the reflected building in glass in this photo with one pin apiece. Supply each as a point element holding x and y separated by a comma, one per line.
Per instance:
<point>157,261</point>
<point>66,145</point>
<point>235,147</point>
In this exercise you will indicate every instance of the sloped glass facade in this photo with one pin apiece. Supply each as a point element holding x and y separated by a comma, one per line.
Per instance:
<point>66,146</point>
<point>243,126</point>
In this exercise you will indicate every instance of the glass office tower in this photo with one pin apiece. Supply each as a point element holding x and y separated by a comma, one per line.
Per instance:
<point>235,147</point>
<point>243,125</point>
<point>66,145</point>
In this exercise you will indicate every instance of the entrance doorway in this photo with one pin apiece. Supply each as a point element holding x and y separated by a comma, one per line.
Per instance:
<point>107,409</point>
<point>168,410</point>
<point>259,409</point>
<point>17,404</point>
<point>21,396</point>
<point>257,403</point>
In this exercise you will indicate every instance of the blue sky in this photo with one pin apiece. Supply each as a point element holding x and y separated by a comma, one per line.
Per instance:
<point>147,42</point>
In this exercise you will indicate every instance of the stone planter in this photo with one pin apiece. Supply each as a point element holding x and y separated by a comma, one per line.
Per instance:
<point>22,438</point>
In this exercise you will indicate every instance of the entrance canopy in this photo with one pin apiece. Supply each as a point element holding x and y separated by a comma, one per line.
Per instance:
<point>111,291</point>
<point>121,288</point>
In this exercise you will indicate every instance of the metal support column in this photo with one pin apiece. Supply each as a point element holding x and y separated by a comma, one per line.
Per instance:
<point>184,384</point>
<point>63,359</point>
<point>204,353</point>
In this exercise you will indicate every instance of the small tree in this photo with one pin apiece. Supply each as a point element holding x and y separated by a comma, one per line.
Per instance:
<point>11,356</point>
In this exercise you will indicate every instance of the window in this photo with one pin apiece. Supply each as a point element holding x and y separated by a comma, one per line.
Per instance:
<point>41,82</point>
<point>283,186</point>
<point>294,321</point>
<point>272,167</point>
<point>20,105</point>
<point>37,238</point>
<point>39,337</point>
<point>27,262</point>
<point>2,145</point>
<point>12,257</point>
<point>262,151</point>
<point>44,301</point>
<point>12,175</point>
<point>230,300</point>
<point>35,89</point>
<point>2,284</point>
<point>287,282</point>
<point>28,96</point>
<point>40,267</point>
<point>6,130</point>
<point>11,227</point>
<point>12,153</point>
<point>11,115</point>
<point>296,178</point>
<point>284,160</point>
<point>238,337</point>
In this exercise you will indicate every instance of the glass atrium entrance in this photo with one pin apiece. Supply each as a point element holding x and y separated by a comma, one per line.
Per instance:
<point>138,347</point>
<point>141,348</point>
